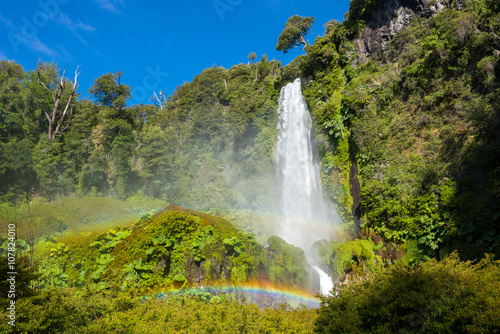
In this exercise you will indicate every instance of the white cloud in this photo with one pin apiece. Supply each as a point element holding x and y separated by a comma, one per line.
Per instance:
<point>66,54</point>
<point>36,45</point>
<point>17,38</point>
<point>75,27</point>
<point>110,5</point>
<point>64,20</point>
<point>7,22</point>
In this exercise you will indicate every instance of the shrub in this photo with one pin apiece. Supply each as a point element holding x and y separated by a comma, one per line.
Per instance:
<point>437,297</point>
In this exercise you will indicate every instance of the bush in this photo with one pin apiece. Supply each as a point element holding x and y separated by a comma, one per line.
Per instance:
<point>436,297</point>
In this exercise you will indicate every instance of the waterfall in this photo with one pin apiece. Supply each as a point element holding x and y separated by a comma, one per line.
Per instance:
<point>325,281</point>
<point>305,216</point>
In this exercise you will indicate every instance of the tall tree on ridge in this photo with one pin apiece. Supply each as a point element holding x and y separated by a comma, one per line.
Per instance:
<point>110,92</point>
<point>293,35</point>
<point>253,57</point>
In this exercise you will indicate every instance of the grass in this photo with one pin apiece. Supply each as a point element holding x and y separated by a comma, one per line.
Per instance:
<point>75,214</point>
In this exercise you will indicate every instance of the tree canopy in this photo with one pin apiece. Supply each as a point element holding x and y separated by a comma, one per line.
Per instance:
<point>110,92</point>
<point>293,35</point>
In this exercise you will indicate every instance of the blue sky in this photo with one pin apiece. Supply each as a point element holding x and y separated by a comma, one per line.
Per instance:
<point>157,45</point>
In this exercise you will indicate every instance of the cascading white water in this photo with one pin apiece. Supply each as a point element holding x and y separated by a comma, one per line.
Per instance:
<point>305,216</point>
<point>325,281</point>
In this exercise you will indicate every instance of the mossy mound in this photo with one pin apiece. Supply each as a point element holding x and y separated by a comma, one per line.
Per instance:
<point>175,248</point>
<point>181,247</point>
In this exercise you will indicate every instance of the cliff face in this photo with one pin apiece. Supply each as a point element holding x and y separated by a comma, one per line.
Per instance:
<point>407,91</point>
<point>385,19</point>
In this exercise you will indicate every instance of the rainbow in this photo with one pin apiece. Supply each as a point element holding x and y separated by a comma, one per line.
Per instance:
<point>262,296</point>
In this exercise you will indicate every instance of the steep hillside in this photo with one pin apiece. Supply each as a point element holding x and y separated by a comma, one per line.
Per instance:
<point>409,104</point>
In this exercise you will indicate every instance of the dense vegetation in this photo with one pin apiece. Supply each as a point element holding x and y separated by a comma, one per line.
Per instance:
<point>419,124</point>
<point>175,248</point>
<point>446,297</point>
<point>222,118</point>
<point>77,311</point>
<point>409,144</point>
<point>85,282</point>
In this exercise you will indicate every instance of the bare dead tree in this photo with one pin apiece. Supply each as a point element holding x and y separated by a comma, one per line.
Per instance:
<point>160,99</point>
<point>56,98</point>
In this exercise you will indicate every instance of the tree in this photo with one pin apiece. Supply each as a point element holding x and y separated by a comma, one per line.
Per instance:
<point>253,57</point>
<point>25,274</point>
<point>12,109</point>
<point>56,90</point>
<point>159,100</point>
<point>109,92</point>
<point>293,35</point>
<point>17,176</point>
<point>276,69</point>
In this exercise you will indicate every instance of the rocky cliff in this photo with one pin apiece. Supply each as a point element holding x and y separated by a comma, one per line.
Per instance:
<point>384,19</point>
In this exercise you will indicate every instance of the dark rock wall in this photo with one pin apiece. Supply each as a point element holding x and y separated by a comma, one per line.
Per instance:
<point>387,18</point>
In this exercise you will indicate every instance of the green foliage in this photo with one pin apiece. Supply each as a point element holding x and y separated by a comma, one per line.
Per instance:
<point>71,311</point>
<point>210,147</point>
<point>105,242</point>
<point>16,168</point>
<point>175,248</point>
<point>437,297</point>
<point>287,264</point>
<point>77,214</point>
<point>25,275</point>
<point>356,257</point>
<point>417,126</point>
<point>293,35</point>
<point>418,122</point>
<point>110,92</point>
<point>58,264</point>
<point>48,161</point>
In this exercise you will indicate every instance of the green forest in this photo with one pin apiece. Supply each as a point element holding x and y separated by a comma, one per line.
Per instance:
<point>114,203</point>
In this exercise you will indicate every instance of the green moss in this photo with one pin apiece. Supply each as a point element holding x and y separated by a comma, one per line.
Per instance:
<point>287,264</point>
<point>156,253</point>
<point>357,256</point>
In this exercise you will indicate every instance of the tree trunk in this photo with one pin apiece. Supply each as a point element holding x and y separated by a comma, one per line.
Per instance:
<point>302,40</point>
<point>159,99</point>
<point>56,98</point>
